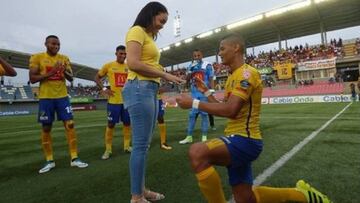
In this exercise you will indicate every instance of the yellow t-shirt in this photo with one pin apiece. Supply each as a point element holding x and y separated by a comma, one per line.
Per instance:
<point>2,70</point>
<point>116,74</point>
<point>54,86</point>
<point>245,82</point>
<point>150,54</point>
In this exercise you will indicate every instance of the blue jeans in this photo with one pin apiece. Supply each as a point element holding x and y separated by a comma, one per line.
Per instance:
<point>142,104</point>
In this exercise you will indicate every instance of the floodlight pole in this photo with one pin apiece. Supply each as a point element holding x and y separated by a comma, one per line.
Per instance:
<point>279,38</point>
<point>323,34</point>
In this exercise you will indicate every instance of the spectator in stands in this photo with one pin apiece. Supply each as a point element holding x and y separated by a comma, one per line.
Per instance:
<point>353,91</point>
<point>243,141</point>
<point>140,92</point>
<point>51,69</point>
<point>116,73</point>
<point>6,69</point>
<point>357,44</point>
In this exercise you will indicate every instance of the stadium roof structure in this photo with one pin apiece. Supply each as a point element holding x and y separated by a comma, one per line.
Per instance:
<point>21,60</point>
<point>299,19</point>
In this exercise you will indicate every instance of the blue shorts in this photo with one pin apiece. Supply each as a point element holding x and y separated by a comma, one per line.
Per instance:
<point>116,112</point>
<point>243,151</point>
<point>48,107</point>
<point>161,108</point>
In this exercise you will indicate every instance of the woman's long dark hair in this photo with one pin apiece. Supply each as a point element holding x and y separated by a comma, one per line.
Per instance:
<point>146,16</point>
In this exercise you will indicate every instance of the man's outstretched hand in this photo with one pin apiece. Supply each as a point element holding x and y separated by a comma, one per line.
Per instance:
<point>184,101</point>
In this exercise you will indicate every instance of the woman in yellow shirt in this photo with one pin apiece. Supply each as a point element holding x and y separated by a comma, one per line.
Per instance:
<point>140,92</point>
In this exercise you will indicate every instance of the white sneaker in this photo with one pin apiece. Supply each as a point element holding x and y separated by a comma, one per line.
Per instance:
<point>203,138</point>
<point>48,166</point>
<point>188,139</point>
<point>77,162</point>
<point>106,155</point>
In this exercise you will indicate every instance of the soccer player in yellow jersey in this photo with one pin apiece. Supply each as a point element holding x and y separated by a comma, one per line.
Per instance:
<point>161,123</point>
<point>242,143</point>
<point>116,72</point>
<point>51,69</point>
<point>6,69</point>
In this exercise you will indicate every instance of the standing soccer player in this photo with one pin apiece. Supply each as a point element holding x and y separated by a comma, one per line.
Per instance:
<point>161,123</point>
<point>6,69</point>
<point>51,69</point>
<point>242,143</point>
<point>116,72</point>
<point>204,71</point>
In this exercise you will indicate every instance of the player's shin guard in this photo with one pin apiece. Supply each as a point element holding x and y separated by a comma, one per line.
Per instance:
<point>127,136</point>
<point>71,138</point>
<point>46,143</point>
<point>269,194</point>
<point>210,185</point>
<point>109,133</point>
<point>162,128</point>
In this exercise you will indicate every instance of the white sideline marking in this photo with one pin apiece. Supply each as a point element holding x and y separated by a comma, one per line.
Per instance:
<point>280,162</point>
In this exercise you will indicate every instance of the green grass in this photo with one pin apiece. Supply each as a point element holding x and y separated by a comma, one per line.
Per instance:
<point>330,162</point>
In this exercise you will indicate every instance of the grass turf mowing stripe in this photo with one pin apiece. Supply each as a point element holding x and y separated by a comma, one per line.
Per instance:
<point>279,163</point>
<point>287,156</point>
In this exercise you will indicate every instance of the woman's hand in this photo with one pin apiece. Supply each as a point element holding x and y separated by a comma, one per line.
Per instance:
<point>173,78</point>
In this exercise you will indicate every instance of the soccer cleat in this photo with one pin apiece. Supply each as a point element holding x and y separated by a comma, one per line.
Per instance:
<point>213,128</point>
<point>128,150</point>
<point>203,138</point>
<point>188,139</point>
<point>78,163</point>
<point>311,194</point>
<point>106,155</point>
<point>47,167</point>
<point>165,146</point>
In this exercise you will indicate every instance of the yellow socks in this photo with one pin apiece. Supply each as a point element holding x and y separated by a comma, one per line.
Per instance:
<point>46,143</point>
<point>210,185</point>
<point>269,195</point>
<point>109,133</point>
<point>162,128</point>
<point>71,139</point>
<point>127,136</point>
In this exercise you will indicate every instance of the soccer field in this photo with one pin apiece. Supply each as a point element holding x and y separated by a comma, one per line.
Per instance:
<point>330,161</point>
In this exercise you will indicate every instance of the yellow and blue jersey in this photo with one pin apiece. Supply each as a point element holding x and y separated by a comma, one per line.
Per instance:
<point>117,75</point>
<point>245,82</point>
<point>55,86</point>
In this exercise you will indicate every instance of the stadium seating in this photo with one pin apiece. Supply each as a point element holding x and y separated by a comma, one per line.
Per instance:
<point>16,92</point>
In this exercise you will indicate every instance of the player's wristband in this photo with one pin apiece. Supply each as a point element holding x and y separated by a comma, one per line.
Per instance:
<point>195,104</point>
<point>207,93</point>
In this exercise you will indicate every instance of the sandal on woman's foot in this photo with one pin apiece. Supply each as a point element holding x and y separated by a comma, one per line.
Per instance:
<point>153,196</point>
<point>141,200</point>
